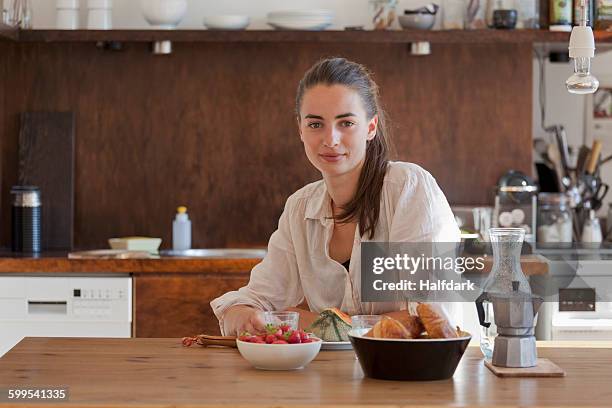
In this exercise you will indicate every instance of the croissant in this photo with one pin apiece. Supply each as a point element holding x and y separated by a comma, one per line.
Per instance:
<point>435,323</point>
<point>411,323</point>
<point>389,328</point>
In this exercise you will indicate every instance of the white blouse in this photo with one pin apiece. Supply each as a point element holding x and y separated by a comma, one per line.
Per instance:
<point>297,265</point>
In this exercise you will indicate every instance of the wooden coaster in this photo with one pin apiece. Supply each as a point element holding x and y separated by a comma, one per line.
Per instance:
<point>543,368</point>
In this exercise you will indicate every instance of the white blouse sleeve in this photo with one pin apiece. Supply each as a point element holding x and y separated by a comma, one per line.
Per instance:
<point>422,213</point>
<point>274,283</point>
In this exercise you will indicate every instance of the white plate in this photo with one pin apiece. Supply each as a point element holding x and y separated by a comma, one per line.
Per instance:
<point>336,345</point>
<point>300,27</point>
<point>302,13</point>
<point>298,23</point>
<point>227,22</point>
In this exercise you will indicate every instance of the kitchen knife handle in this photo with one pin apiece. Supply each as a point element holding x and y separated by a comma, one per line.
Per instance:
<point>225,341</point>
<point>594,157</point>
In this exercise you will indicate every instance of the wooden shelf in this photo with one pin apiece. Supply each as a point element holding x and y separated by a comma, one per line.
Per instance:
<point>8,32</point>
<point>485,36</point>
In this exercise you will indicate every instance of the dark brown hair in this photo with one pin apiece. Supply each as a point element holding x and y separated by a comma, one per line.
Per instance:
<point>365,205</point>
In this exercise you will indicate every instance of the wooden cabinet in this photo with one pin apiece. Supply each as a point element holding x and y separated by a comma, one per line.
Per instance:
<point>178,304</point>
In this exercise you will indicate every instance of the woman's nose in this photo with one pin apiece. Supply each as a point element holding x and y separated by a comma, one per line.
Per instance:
<point>332,138</point>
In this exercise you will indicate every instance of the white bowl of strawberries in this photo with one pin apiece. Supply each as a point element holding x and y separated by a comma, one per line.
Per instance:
<point>278,348</point>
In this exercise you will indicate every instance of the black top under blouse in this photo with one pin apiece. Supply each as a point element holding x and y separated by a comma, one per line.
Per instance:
<point>346,264</point>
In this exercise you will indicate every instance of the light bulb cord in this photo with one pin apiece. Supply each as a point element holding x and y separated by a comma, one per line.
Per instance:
<point>583,13</point>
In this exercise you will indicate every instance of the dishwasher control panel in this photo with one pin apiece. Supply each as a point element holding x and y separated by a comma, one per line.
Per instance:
<point>66,298</point>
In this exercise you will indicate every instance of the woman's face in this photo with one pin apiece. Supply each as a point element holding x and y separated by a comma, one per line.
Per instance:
<point>334,128</point>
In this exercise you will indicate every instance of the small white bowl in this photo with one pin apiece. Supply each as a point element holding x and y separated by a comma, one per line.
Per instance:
<point>227,22</point>
<point>135,244</point>
<point>279,356</point>
<point>418,21</point>
<point>164,13</point>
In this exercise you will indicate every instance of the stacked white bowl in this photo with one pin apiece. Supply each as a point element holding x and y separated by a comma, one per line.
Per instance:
<point>301,19</point>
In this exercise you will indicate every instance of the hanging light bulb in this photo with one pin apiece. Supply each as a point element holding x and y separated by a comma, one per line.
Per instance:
<point>582,49</point>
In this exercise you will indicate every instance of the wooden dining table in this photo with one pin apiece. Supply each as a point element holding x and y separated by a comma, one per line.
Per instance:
<point>139,372</point>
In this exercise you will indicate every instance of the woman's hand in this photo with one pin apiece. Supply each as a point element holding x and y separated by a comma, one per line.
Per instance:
<point>241,318</point>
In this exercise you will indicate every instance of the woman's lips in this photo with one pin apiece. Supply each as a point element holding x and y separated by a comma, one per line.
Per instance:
<point>332,157</point>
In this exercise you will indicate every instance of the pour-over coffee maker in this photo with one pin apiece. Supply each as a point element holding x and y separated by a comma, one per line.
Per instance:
<point>507,296</point>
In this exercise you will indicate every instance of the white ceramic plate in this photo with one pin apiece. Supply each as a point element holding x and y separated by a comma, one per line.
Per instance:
<point>301,13</point>
<point>336,345</point>
<point>308,27</point>
<point>227,22</point>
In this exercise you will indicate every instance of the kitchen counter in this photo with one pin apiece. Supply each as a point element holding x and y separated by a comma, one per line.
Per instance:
<point>161,372</point>
<point>59,263</point>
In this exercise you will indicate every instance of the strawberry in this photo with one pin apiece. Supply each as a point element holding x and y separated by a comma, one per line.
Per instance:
<point>308,340</point>
<point>270,338</point>
<point>284,328</point>
<point>244,337</point>
<point>279,333</point>
<point>303,336</point>
<point>279,342</point>
<point>294,337</point>
<point>270,328</point>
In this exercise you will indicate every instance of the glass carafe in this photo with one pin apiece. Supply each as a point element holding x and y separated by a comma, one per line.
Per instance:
<point>507,244</point>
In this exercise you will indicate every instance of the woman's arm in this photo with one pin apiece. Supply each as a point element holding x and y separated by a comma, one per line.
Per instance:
<point>274,283</point>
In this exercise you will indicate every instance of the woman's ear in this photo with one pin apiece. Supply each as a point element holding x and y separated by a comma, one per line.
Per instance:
<point>372,127</point>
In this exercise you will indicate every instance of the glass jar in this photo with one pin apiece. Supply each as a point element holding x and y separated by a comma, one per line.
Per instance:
<point>555,224</point>
<point>507,244</point>
<point>19,14</point>
<point>382,13</point>
<point>528,14</point>
<point>453,14</point>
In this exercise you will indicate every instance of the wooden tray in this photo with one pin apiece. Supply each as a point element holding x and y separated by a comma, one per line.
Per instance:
<point>543,368</point>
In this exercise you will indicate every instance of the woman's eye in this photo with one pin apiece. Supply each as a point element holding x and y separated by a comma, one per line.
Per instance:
<point>348,123</point>
<point>314,125</point>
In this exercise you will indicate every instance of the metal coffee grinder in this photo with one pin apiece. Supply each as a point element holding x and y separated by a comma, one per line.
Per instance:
<point>507,295</point>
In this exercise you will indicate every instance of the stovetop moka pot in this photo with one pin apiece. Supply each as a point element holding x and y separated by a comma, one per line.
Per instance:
<point>514,314</point>
<point>507,301</point>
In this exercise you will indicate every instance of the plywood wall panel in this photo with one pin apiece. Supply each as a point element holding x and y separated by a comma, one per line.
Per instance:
<point>212,127</point>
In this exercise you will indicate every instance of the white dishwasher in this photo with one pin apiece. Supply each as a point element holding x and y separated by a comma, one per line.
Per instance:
<point>64,306</point>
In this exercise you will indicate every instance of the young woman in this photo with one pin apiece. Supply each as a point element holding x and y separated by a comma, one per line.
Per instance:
<point>314,255</point>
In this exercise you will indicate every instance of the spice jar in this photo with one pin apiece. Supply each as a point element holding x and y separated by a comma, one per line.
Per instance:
<point>554,219</point>
<point>453,14</point>
<point>383,13</point>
